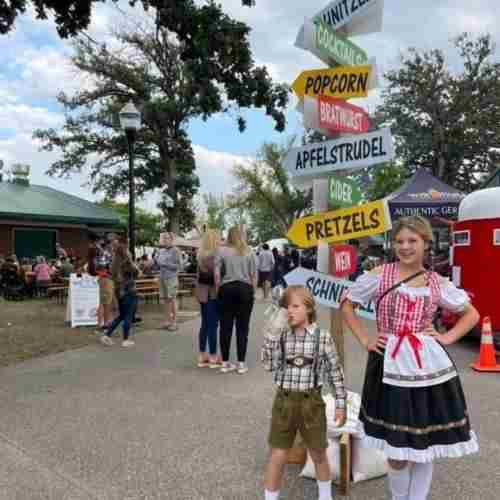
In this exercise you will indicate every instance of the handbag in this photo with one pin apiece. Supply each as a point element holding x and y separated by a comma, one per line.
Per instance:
<point>206,277</point>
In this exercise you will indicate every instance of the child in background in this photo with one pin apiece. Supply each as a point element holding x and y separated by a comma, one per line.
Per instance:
<point>106,294</point>
<point>302,357</point>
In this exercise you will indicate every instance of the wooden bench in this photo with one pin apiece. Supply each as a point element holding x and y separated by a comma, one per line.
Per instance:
<point>187,284</point>
<point>59,291</point>
<point>148,288</point>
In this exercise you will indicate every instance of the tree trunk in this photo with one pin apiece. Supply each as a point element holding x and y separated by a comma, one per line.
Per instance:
<point>170,181</point>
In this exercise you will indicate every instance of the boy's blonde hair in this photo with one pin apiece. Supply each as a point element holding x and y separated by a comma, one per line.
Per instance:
<point>306,297</point>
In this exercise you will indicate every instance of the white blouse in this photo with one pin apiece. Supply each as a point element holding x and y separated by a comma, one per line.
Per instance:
<point>365,287</point>
<point>403,370</point>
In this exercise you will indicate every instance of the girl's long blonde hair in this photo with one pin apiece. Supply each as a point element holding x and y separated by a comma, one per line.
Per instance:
<point>235,239</point>
<point>208,244</point>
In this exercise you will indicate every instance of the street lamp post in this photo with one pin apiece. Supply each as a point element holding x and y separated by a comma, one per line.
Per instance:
<point>130,121</point>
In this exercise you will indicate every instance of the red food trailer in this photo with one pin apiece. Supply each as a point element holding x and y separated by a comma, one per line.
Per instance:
<point>476,251</point>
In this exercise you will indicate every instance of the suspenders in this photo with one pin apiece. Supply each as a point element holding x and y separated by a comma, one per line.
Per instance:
<point>315,364</point>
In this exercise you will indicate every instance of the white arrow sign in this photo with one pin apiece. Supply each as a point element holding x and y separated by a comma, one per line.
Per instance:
<point>349,17</point>
<point>326,289</point>
<point>352,152</point>
<point>353,17</point>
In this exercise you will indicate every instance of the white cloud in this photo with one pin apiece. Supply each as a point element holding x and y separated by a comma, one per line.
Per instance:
<point>214,169</point>
<point>24,119</point>
<point>24,149</point>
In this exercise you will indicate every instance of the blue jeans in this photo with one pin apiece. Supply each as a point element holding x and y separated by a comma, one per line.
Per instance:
<point>209,324</point>
<point>127,306</point>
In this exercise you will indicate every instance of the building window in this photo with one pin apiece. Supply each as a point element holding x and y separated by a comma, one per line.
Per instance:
<point>461,238</point>
<point>496,237</point>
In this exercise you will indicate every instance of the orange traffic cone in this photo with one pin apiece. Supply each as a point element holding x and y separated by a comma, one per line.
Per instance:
<point>487,359</point>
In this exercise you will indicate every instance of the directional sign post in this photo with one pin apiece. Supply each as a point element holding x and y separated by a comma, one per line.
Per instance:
<point>326,290</point>
<point>343,260</point>
<point>324,158</point>
<point>345,82</point>
<point>330,116</point>
<point>328,45</point>
<point>342,192</point>
<point>337,115</point>
<point>341,225</point>
<point>353,17</point>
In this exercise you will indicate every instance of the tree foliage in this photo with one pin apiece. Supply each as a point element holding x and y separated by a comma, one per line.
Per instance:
<point>214,48</point>
<point>147,70</point>
<point>151,69</point>
<point>71,16</point>
<point>446,121</point>
<point>264,190</point>
<point>148,225</point>
<point>216,212</point>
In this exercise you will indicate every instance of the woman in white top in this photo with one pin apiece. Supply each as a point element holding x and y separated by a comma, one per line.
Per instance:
<point>413,407</point>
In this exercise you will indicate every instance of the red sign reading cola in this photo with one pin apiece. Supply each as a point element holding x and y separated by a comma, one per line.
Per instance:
<point>337,115</point>
<point>343,260</point>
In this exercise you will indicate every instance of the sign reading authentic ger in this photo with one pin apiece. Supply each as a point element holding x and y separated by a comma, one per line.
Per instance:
<point>341,225</point>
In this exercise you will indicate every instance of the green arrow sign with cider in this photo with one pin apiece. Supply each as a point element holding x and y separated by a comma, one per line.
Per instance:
<point>342,192</point>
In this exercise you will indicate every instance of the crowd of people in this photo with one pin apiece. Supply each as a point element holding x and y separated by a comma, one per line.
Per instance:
<point>413,407</point>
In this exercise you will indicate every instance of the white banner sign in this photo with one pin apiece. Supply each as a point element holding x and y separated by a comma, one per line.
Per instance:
<point>326,290</point>
<point>83,300</point>
<point>353,152</point>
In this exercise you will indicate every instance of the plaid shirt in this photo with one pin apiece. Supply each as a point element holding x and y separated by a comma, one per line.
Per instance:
<point>293,378</point>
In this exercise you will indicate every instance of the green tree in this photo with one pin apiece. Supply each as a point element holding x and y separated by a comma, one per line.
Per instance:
<point>148,225</point>
<point>71,16</point>
<point>216,210</point>
<point>448,122</point>
<point>264,190</point>
<point>152,69</point>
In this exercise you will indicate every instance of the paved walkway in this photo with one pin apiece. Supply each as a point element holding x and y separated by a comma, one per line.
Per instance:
<point>146,424</point>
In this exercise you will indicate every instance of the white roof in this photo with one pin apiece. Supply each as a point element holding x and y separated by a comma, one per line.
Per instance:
<point>482,204</point>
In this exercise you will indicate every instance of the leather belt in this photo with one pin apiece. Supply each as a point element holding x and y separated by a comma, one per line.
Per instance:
<point>300,361</point>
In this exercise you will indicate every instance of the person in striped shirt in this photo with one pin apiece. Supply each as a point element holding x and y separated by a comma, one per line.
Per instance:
<point>302,357</point>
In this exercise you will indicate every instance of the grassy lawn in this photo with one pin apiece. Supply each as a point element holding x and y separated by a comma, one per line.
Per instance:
<point>35,328</point>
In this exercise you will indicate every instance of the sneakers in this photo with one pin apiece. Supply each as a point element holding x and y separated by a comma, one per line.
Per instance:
<point>242,368</point>
<point>215,363</point>
<point>128,343</point>
<point>172,328</point>
<point>227,367</point>
<point>106,340</point>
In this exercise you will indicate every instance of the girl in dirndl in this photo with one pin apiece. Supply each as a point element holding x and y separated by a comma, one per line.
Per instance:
<point>413,406</point>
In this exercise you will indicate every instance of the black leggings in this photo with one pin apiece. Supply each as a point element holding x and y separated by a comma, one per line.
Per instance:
<point>235,306</point>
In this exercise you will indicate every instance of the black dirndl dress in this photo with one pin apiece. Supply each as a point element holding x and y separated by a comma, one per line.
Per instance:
<point>413,405</point>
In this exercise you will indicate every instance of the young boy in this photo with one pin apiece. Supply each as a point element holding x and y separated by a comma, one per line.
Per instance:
<point>106,296</point>
<point>301,357</point>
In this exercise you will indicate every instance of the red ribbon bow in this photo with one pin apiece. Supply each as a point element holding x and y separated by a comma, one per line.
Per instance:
<point>407,332</point>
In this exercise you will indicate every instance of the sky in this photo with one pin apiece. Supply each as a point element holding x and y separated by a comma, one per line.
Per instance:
<point>35,67</point>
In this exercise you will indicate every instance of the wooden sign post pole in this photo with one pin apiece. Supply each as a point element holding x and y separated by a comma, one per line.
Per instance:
<point>324,264</point>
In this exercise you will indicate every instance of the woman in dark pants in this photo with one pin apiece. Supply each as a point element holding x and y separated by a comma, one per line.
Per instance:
<point>127,299</point>
<point>206,294</point>
<point>236,278</point>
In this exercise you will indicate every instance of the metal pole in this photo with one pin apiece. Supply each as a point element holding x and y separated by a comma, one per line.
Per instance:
<point>131,193</point>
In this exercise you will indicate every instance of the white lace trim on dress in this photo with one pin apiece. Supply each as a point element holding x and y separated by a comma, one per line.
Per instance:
<point>422,456</point>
